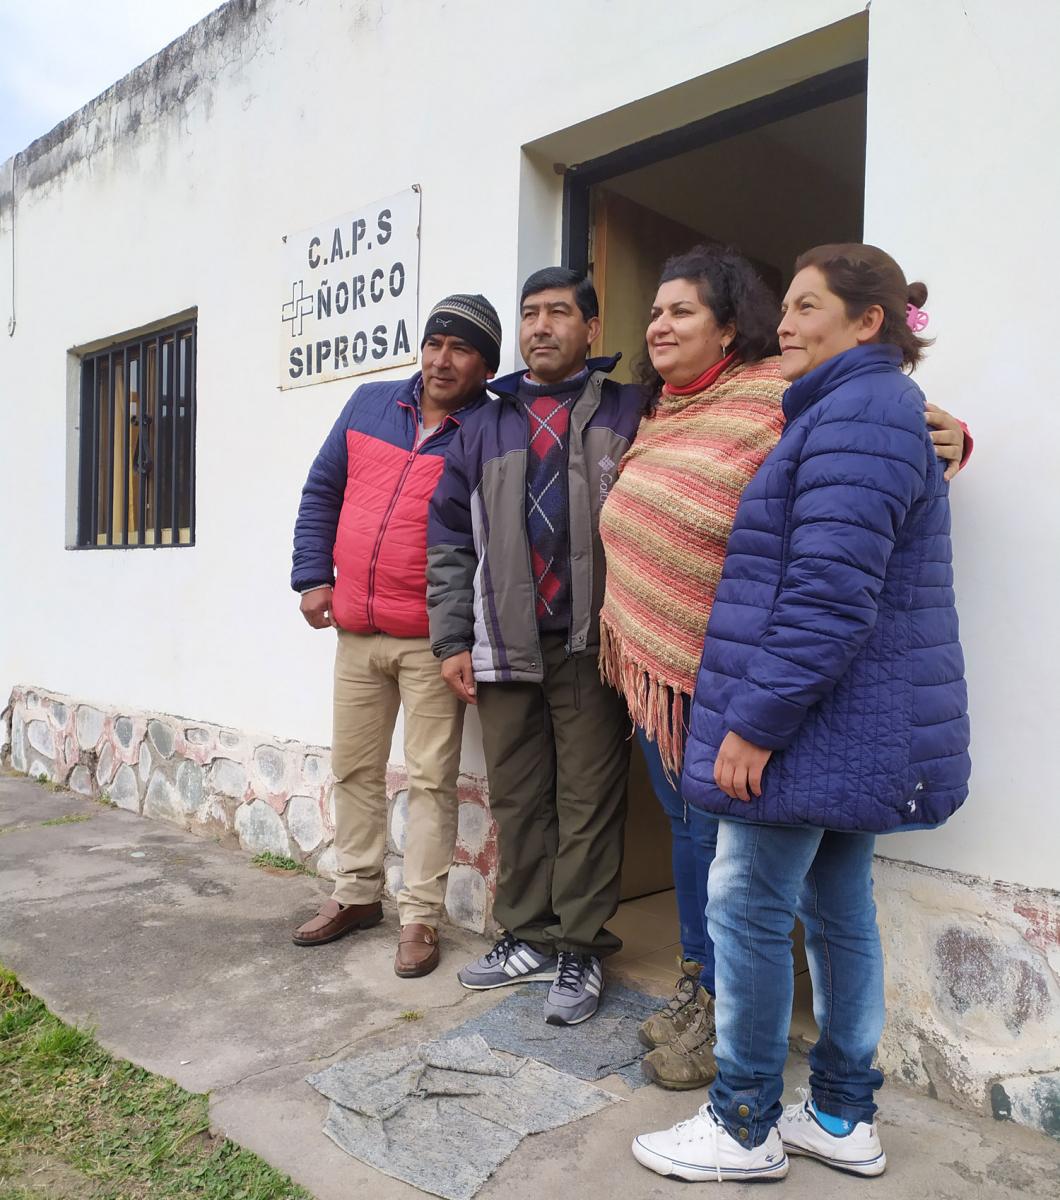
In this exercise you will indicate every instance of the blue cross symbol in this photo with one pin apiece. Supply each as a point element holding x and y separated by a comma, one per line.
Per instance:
<point>299,306</point>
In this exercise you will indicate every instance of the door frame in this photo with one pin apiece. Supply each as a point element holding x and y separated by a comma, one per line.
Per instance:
<point>840,83</point>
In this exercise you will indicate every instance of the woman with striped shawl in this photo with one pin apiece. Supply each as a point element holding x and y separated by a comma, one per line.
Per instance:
<point>713,414</point>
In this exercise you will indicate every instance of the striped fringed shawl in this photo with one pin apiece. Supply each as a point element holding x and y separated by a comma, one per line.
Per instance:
<point>664,529</point>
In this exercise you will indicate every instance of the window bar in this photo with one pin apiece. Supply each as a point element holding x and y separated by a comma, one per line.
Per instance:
<point>110,448</point>
<point>174,511</point>
<point>159,444</point>
<point>125,373</point>
<point>161,461</point>
<point>192,419</point>
<point>143,441</point>
<point>84,458</point>
<point>92,530</point>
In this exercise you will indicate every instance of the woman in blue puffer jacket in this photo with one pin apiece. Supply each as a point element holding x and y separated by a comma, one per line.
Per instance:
<point>830,707</point>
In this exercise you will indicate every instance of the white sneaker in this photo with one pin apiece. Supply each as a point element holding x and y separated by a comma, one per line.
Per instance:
<point>703,1149</point>
<point>858,1152</point>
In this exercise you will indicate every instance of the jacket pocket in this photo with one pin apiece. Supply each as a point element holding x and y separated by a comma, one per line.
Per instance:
<point>849,765</point>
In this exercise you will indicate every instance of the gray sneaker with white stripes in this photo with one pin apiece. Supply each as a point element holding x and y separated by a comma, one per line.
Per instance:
<point>575,995</point>
<point>510,961</point>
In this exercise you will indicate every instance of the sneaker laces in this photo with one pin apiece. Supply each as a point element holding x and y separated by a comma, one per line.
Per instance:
<point>706,1120</point>
<point>698,1032</point>
<point>502,950</point>
<point>700,1114</point>
<point>684,994</point>
<point>801,1110</point>
<point>571,971</point>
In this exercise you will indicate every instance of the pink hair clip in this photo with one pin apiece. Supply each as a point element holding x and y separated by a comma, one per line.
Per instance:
<point>916,318</point>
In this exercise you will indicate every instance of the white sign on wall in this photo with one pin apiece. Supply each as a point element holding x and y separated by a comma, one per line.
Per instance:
<point>351,293</point>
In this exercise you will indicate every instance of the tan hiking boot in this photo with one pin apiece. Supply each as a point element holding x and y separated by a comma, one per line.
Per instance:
<point>687,1061</point>
<point>662,1027</point>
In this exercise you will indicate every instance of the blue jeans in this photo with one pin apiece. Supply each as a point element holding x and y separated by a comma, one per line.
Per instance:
<point>763,875</point>
<point>694,837</point>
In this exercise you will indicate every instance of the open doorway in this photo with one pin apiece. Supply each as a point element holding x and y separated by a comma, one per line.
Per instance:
<point>771,178</point>
<point>771,192</point>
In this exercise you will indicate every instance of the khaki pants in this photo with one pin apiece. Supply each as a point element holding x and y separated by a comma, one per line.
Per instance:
<point>375,675</point>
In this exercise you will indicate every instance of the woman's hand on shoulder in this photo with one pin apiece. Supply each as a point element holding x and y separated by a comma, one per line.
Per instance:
<point>739,766</point>
<point>948,435</point>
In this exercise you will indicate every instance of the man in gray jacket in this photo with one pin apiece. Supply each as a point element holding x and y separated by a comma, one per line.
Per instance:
<point>515,574</point>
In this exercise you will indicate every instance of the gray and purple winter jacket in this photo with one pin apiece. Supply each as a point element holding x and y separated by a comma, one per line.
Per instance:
<point>480,585</point>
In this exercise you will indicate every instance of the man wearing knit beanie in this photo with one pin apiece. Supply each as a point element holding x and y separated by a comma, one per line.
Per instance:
<point>360,545</point>
<point>473,320</point>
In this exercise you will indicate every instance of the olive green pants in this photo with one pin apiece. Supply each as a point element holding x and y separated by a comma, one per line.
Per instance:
<point>557,757</point>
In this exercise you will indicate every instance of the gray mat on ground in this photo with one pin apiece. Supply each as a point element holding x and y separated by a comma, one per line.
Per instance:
<point>604,1045</point>
<point>444,1115</point>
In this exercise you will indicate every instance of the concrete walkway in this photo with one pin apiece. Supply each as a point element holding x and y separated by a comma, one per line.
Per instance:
<point>177,951</point>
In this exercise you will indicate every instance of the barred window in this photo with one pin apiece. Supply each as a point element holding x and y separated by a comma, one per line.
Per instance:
<point>136,476</point>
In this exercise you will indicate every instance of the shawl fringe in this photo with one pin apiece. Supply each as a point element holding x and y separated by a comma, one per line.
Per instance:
<point>654,705</point>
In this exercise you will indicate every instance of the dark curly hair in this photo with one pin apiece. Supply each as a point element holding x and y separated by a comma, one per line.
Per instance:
<point>733,291</point>
<point>861,276</point>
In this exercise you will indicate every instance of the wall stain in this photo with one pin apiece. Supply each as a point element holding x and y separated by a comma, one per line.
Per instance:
<point>1000,1104</point>
<point>978,970</point>
<point>1044,931</point>
<point>164,83</point>
<point>1047,1101</point>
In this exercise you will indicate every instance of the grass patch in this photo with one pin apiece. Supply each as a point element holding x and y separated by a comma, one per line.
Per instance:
<point>53,786</point>
<point>69,819</point>
<point>278,862</point>
<point>75,1121</point>
<point>411,1014</point>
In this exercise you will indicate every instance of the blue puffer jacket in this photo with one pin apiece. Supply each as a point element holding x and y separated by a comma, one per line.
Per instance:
<point>833,639</point>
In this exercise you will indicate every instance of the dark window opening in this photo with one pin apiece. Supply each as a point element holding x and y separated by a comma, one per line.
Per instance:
<point>136,477</point>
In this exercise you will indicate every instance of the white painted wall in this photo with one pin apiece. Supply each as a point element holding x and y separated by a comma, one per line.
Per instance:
<point>306,111</point>
<point>963,187</point>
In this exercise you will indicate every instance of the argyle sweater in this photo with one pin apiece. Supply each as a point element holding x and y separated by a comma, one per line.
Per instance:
<point>548,409</point>
<point>665,527</point>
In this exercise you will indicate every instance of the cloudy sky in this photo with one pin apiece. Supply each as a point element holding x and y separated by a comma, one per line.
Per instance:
<point>56,55</point>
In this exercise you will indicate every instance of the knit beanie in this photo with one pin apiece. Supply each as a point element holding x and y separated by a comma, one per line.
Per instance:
<point>471,318</point>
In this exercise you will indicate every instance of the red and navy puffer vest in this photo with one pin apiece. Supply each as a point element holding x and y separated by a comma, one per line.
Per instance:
<point>362,520</point>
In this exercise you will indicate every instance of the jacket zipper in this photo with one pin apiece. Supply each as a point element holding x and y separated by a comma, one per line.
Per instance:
<point>389,512</point>
<point>570,560</point>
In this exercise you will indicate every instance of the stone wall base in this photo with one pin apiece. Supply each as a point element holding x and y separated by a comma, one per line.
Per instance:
<point>270,795</point>
<point>973,968</point>
<point>973,991</point>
